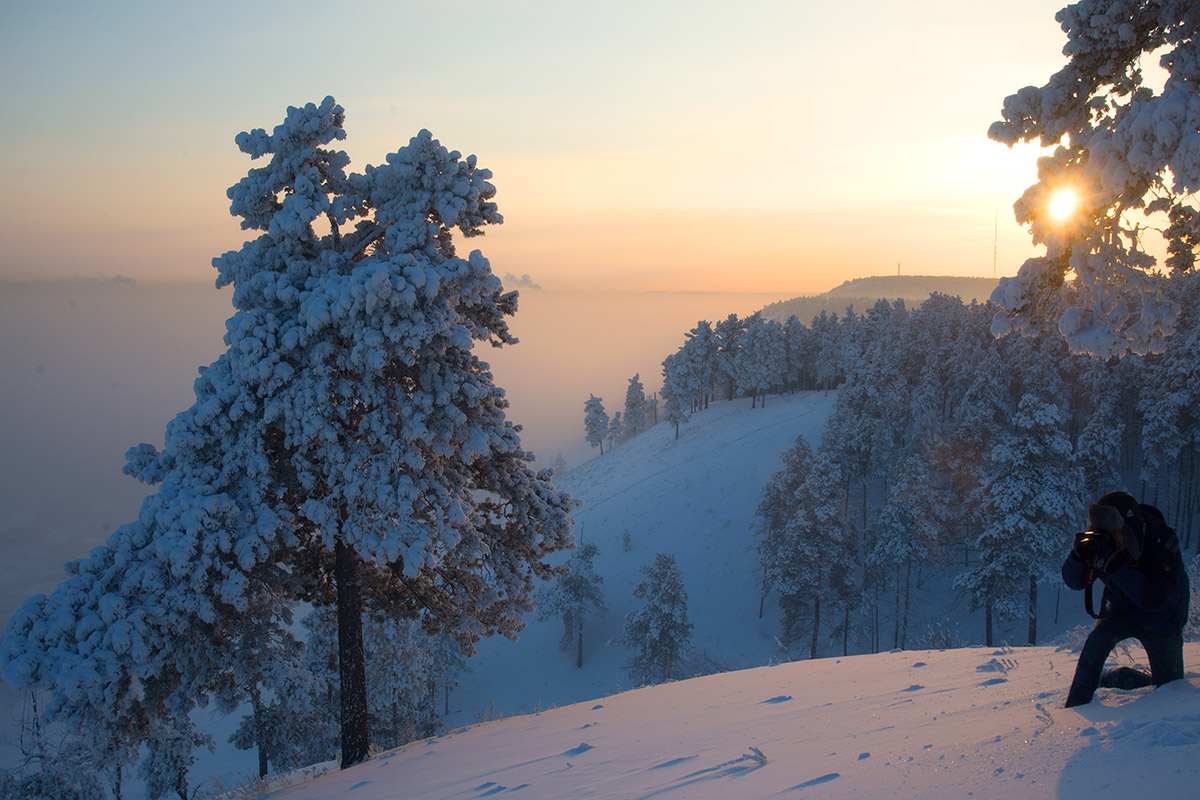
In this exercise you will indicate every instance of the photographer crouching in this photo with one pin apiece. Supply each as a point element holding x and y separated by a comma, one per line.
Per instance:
<point>1133,551</point>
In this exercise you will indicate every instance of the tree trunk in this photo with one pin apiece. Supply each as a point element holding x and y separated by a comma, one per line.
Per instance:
<point>896,616</point>
<point>1032,611</point>
<point>987,623</point>
<point>762,596</point>
<point>352,668</point>
<point>864,504</point>
<point>579,646</point>
<point>846,632</point>
<point>875,623</point>
<point>257,707</point>
<point>812,653</point>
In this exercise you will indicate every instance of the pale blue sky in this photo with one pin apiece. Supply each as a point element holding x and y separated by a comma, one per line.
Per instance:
<point>756,146</point>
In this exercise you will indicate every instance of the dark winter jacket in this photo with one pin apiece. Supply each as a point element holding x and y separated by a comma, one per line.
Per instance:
<point>1152,592</point>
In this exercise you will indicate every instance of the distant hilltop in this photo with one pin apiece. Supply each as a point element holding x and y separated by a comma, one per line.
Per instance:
<point>862,293</point>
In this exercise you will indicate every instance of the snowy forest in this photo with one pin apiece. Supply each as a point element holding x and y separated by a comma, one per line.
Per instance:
<point>346,511</point>
<point>954,462</point>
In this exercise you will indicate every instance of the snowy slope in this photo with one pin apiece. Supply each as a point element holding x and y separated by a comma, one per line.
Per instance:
<point>973,722</point>
<point>694,498</point>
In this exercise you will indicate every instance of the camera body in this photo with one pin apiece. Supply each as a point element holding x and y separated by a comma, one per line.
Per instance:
<point>1095,547</point>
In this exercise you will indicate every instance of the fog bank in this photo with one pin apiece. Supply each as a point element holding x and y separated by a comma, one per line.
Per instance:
<point>90,368</point>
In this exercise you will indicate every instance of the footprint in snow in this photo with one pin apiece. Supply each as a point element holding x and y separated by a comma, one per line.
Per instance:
<point>783,698</point>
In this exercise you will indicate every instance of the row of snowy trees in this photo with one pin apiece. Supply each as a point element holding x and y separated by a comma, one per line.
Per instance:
<point>736,357</point>
<point>348,451</point>
<point>640,414</point>
<point>953,456</point>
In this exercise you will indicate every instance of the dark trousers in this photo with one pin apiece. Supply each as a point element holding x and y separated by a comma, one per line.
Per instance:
<point>1164,650</point>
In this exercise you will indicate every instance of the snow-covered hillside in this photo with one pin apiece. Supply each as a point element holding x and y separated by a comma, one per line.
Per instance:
<point>973,722</point>
<point>693,498</point>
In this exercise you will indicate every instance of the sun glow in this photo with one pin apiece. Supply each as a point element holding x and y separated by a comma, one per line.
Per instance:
<point>1063,204</point>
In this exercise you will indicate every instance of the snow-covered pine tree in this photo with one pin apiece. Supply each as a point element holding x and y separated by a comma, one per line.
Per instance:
<point>810,543</point>
<point>699,363</point>
<point>1128,153</point>
<point>616,430</point>
<point>675,389</point>
<point>727,337</point>
<point>410,673</point>
<point>902,535</point>
<point>595,422</point>
<point>575,596</point>
<point>1097,451</point>
<point>635,407</point>
<point>659,633</point>
<point>269,663</point>
<point>409,670</point>
<point>1032,498</point>
<point>760,362</point>
<point>827,351</point>
<point>798,355</point>
<point>776,508</point>
<point>1170,409</point>
<point>349,434</point>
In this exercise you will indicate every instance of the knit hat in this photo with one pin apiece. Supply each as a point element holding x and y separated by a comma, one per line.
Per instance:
<point>1119,511</point>
<point>1104,518</point>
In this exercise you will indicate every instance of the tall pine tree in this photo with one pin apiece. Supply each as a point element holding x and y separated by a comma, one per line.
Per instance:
<point>348,449</point>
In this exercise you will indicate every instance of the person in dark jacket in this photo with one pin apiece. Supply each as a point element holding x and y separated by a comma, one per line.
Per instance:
<point>1133,551</point>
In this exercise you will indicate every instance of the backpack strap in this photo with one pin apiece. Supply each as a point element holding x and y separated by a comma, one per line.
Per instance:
<point>1087,595</point>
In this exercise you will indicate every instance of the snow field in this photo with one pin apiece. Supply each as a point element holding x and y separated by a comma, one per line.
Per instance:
<point>974,722</point>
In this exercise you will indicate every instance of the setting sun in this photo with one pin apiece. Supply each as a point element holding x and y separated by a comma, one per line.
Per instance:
<point>1062,204</point>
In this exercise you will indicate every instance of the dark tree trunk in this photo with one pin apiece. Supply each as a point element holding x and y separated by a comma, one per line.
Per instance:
<point>352,666</point>
<point>762,596</point>
<point>896,617</point>
<point>579,646</point>
<point>1032,611</point>
<point>846,631</point>
<point>256,705</point>
<point>812,652</point>
<point>987,622</point>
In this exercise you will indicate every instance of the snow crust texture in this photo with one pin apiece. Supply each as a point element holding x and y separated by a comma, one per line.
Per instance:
<point>974,722</point>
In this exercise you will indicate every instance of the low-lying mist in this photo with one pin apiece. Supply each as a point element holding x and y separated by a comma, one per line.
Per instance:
<point>92,367</point>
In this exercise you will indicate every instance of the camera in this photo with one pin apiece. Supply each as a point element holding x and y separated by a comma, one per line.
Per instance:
<point>1094,546</point>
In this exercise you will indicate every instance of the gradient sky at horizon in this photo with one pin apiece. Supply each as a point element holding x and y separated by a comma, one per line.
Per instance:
<point>698,146</point>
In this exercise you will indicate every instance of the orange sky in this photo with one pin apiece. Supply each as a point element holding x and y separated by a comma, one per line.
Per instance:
<point>694,146</point>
